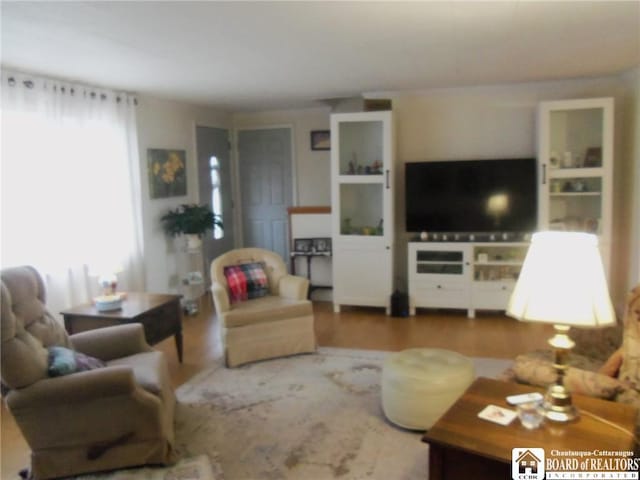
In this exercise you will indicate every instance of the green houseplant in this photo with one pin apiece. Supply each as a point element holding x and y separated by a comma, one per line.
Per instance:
<point>191,220</point>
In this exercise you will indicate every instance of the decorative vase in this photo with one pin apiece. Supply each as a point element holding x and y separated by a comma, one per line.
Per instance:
<point>193,241</point>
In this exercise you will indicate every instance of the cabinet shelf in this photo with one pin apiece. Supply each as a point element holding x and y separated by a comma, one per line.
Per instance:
<point>575,194</point>
<point>575,172</point>
<point>498,263</point>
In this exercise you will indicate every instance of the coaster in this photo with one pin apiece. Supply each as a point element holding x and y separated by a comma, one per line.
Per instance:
<point>496,414</point>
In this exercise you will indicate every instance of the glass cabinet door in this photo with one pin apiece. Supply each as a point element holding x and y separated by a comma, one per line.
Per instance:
<point>361,209</point>
<point>576,151</point>
<point>362,174</point>
<point>576,138</point>
<point>361,148</point>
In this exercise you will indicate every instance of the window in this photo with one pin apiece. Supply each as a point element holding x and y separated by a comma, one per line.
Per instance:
<point>216,195</point>
<point>69,187</point>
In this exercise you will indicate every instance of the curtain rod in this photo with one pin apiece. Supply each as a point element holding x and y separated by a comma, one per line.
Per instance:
<point>88,90</point>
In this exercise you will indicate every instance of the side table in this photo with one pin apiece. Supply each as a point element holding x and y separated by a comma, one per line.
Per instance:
<point>160,314</point>
<point>309,256</point>
<point>460,442</point>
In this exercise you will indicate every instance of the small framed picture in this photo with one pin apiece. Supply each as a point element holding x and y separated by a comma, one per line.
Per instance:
<point>322,245</point>
<point>320,140</point>
<point>167,172</point>
<point>593,157</point>
<point>302,245</point>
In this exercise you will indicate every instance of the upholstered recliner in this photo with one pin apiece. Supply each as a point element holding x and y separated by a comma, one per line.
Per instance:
<point>277,324</point>
<point>110,417</point>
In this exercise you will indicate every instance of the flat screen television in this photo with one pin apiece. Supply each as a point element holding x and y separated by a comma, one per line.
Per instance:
<point>480,196</point>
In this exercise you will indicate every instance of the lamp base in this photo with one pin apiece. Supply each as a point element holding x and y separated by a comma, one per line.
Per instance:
<point>557,402</point>
<point>557,405</point>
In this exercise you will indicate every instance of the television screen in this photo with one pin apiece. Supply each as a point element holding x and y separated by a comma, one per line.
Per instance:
<point>471,196</point>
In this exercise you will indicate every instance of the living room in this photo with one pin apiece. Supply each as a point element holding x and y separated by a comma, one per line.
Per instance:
<point>492,118</point>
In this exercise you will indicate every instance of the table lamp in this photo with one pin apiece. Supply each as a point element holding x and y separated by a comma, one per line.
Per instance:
<point>562,282</point>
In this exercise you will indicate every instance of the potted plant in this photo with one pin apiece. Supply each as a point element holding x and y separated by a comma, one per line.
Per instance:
<point>191,220</point>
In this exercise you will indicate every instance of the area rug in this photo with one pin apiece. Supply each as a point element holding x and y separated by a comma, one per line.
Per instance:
<point>315,416</point>
<point>195,468</point>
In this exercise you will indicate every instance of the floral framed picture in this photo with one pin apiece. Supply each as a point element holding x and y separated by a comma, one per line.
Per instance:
<point>167,172</point>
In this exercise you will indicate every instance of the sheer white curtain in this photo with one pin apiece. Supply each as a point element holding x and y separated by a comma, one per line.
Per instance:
<point>70,185</point>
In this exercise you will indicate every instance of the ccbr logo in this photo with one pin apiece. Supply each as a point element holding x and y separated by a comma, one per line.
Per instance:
<point>527,464</point>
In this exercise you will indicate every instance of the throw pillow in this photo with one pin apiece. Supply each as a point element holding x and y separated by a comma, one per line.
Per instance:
<point>63,361</point>
<point>246,281</point>
<point>236,282</point>
<point>541,373</point>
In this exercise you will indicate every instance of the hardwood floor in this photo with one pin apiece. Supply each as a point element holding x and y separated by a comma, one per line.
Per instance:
<point>488,335</point>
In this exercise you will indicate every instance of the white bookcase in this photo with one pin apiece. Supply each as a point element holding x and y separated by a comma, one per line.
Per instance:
<point>362,208</point>
<point>463,275</point>
<point>575,154</point>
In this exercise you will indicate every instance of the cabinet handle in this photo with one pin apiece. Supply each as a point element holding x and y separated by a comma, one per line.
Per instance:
<point>387,179</point>
<point>544,173</point>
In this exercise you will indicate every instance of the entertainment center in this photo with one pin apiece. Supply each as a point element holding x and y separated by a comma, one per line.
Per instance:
<point>464,275</point>
<point>472,218</point>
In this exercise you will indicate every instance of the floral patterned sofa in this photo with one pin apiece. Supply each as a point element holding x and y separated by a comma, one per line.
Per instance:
<point>604,363</point>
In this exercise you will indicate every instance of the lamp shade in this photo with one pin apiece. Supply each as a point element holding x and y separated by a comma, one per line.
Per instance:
<point>562,281</point>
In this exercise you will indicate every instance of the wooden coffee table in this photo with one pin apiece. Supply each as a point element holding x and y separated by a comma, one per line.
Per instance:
<point>160,314</point>
<point>460,442</point>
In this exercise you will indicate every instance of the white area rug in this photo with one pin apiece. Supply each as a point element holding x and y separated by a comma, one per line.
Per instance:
<point>316,416</point>
<point>196,468</point>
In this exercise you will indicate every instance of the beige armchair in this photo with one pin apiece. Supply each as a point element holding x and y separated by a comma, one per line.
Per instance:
<point>106,418</point>
<point>275,325</point>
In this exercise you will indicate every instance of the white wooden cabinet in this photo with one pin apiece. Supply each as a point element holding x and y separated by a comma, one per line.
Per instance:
<point>495,268</point>
<point>463,275</point>
<point>575,155</point>
<point>362,208</point>
<point>439,275</point>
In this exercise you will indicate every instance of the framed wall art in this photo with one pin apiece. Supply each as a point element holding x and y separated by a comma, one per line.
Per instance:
<point>320,140</point>
<point>303,245</point>
<point>322,245</point>
<point>167,172</point>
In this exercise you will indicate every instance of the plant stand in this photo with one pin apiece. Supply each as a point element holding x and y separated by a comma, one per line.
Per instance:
<point>191,274</point>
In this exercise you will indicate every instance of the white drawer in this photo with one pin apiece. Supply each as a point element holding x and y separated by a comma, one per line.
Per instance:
<point>440,294</point>
<point>491,295</point>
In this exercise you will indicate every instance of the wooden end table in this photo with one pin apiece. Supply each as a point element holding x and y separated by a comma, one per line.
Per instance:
<point>160,314</point>
<point>460,442</point>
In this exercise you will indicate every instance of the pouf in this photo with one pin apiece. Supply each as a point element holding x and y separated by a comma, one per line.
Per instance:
<point>420,384</point>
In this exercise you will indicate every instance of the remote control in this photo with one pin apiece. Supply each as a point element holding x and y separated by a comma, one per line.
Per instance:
<point>524,398</point>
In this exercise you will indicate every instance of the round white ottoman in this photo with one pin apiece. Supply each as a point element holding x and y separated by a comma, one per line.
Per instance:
<point>420,384</point>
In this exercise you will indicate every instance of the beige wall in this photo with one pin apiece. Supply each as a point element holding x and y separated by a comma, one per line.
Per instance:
<point>465,123</point>
<point>499,121</point>
<point>456,123</point>
<point>168,124</point>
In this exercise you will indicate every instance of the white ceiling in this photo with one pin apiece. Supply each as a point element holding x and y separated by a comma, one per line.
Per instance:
<point>262,55</point>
